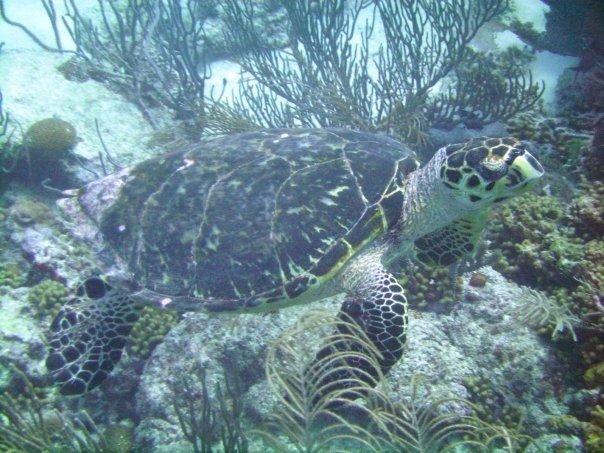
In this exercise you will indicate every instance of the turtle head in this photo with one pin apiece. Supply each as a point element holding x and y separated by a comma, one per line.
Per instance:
<point>484,170</point>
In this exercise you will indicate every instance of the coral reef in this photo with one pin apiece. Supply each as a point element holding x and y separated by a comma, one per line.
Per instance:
<point>558,248</point>
<point>446,348</point>
<point>491,405</point>
<point>534,249</point>
<point>22,341</point>
<point>35,229</point>
<point>536,243</point>
<point>561,146</point>
<point>49,139</point>
<point>12,275</point>
<point>26,211</point>
<point>478,280</point>
<point>158,58</point>
<point>118,438</point>
<point>429,287</point>
<point>594,376</point>
<point>150,329</point>
<point>587,211</point>
<point>46,298</point>
<point>43,153</point>
<point>328,80</point>
<point>580,91</point>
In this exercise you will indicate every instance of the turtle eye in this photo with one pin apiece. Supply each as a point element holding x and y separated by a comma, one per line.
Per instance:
<point>492,171</point>
<point>513,154</point>
<point>95,288</point>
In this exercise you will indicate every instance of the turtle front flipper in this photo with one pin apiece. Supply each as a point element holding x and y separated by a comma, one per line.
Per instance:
<point>88,336</point>
<point>376,303</point>
<point>450,243</point>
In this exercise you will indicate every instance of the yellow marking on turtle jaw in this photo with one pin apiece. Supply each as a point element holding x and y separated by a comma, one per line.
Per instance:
<point>528,171</point>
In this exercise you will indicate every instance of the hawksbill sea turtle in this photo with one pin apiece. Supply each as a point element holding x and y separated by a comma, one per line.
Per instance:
<point>263,220</point>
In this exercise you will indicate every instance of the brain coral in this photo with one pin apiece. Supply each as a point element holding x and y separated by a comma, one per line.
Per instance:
<point>49,138</point>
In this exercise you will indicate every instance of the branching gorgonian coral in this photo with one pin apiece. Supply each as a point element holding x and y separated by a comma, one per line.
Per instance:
<point>331,74</point>
<point>486,88</point>
<point>325,78</point>
<point>9,152</point>
<point>154,49</point>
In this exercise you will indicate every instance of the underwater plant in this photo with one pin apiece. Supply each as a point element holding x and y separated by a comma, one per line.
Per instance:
<point>325,79</point>
<point>8,150</point>
<point>486,88</point>
<point>30,424</point>
<point>4,120</point>
<point>153,51</point>
<point>540,311</point>
<point>309,394</point>
<point>156,53</point>
<point>203,420</point>
<point>314,400</point>
<point>526,31</point>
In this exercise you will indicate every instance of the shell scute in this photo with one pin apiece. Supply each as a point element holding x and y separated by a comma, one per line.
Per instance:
<point>255,214</point>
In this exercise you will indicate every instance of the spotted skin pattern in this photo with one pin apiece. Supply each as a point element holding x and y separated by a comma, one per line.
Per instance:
<point>481,166</point>
<point>376,302</point>
<point>88,335</point>
<point>449,244</point>
<point>482,171</point>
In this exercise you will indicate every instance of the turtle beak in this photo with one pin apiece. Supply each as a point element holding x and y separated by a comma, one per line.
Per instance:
<point>524,169</point>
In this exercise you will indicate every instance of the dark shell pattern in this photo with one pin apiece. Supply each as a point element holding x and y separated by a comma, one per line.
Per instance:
<point>256,213</point>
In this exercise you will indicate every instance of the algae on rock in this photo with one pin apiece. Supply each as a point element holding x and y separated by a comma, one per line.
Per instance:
<point>47,298</point>
<point>150,329</point>
<point>12,275</point>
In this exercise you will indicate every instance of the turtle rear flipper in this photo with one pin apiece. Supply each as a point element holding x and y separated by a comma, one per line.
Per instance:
<point>88,336</point>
